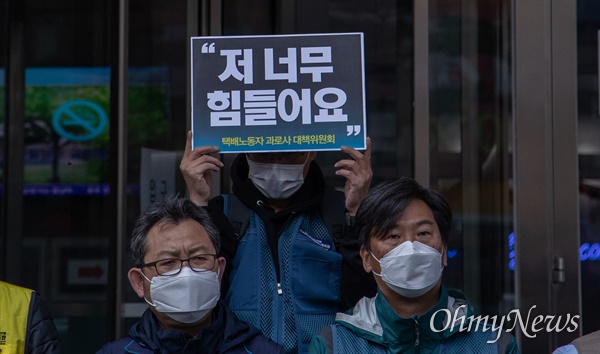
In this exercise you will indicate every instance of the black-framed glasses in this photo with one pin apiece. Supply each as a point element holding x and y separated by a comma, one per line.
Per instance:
<point>172,266</point>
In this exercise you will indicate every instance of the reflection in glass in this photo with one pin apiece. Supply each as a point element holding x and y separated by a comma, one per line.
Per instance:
<point>470,144</point>
<point>588,148</point>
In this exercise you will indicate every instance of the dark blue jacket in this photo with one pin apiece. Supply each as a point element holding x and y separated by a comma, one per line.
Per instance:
<point>41,332</point>
<point>288,271</point>
<point>226,334</point>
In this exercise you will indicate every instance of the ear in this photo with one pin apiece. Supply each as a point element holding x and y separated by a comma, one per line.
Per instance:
<point>221,263</point>
<point>444,256</point>
<point>366,256</point>
<point>312,155</point>
<point>137,281</point>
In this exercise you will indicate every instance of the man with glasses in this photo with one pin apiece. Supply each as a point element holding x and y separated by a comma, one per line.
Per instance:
<point>292,253</point>
<point>178,272</point>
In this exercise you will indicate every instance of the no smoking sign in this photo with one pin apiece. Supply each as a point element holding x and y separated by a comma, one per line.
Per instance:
<point>79,120</point>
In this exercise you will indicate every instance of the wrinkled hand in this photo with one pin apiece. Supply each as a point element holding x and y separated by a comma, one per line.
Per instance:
<point>358,175</point>
<point>196,167</point>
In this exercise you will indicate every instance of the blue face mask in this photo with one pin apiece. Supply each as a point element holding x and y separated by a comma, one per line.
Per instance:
<point>276,181</point>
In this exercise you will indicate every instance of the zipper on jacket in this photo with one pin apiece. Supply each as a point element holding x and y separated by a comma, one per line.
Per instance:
<point>277,262</point>
<point>279,322</point>
<point>417,333</point>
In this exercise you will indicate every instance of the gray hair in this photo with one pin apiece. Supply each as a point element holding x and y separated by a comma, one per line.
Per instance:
<point>172,211</point>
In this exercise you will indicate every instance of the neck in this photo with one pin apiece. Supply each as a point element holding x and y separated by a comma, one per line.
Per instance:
<point>168,324</point>
<point>407,307</point>
<point>278,204</point>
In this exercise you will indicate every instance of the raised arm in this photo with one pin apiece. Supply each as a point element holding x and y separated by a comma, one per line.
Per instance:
<point>358,173</point>
<point>196,167</point>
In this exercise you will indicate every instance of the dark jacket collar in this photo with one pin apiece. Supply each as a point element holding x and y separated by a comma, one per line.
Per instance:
<point>224,333</point>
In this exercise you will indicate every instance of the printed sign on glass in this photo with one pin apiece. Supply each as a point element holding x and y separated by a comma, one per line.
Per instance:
<point>278,93</point>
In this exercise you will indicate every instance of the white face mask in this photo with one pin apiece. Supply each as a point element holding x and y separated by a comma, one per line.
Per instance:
<point>186,297</point>
<point>276,181</point>
<point>411,269</point>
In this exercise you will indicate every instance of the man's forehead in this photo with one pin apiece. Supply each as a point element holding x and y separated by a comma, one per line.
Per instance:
<point>166,251</point>
<point>189,231</point>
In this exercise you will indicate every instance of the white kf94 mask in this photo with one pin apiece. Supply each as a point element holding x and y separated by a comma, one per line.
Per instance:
<point>276,181</point>
<point>185,297</point>
<point>411,269</point>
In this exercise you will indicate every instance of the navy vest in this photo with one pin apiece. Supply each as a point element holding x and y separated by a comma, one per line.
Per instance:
<point>307,296</point>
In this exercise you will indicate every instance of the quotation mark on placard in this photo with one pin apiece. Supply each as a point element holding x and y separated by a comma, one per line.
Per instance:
<point>208,48</point>
<point>352,128</point>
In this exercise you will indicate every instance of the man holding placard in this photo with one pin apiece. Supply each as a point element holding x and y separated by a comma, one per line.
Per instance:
<point>289,239</point>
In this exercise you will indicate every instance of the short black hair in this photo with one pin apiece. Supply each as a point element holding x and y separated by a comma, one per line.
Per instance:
<point>383,207</point>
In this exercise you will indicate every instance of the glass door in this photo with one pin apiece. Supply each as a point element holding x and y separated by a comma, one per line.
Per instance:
<point>545,170</point>
<point>588,150</point>
<point>470,144</point>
